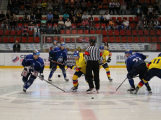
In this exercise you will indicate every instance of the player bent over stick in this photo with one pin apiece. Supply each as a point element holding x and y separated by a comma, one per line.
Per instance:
<point>154,69</point>
<point>135,65</point>
<point>79,70</point>
<point>59,57</point>
<point>33,64</point>
<point>105,62</point>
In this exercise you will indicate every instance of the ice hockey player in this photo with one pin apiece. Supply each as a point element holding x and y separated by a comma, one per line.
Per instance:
<point>53,46</point>
<point>80,69</point>
<point>33,64</point>
<point>59,57</point>
<point>105,62</point>
<point>154,69</point>
<point>135,65</point>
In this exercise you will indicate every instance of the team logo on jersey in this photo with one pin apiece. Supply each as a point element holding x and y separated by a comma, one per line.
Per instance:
<point>60,59</point>
<point>15,58</point>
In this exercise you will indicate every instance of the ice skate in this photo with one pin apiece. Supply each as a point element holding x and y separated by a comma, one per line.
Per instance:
<point>149,90</point>
<point>110,79</point>
<point>131,90</point>
<point>49,79</point>
<point>74,89</point>
<point>90,91</point>
<point>66,79</point>
<point>24,90</point>
<point>136,90</point>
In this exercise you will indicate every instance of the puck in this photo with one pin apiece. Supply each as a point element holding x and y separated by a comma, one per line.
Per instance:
<point>58,75</point>
<point>92,97</point>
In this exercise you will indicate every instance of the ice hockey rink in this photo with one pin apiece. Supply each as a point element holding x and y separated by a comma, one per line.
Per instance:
<point>45,102</point>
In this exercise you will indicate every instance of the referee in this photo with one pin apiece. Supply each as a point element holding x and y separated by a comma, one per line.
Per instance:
<point>53,46</point>
<point>92,56</point>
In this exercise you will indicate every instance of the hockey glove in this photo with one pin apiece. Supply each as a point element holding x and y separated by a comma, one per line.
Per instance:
<point>50,59</point>
<point>41,76</point>
<point>31,68</point>
<point>109,59</point>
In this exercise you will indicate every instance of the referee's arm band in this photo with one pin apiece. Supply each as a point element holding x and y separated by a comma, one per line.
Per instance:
<point>86,53</point>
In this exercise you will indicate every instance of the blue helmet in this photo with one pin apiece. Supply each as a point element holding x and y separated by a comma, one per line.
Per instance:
<point>62,44</point>
<point>36,52</point>
<point>55,40</point>
<point>101,48</point>
<point>76,54</point>
<point>128,51</point>
<point>159,55</point>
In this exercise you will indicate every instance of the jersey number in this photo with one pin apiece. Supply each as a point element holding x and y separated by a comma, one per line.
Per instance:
<point>136,59</point>
<point>157,61</point>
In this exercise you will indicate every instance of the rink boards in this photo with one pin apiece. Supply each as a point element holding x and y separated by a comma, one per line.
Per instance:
<point>14,60</point>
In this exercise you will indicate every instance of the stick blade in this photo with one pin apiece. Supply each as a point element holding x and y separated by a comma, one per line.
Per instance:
<point>112,92</point>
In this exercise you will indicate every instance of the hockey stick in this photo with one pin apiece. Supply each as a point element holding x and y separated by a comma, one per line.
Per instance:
<point>57,62</point>
<point>62,73</point>
<point>119,86</point>
<point>54,85</point>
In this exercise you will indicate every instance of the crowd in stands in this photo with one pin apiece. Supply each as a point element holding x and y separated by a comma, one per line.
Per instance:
<point>78,15</point>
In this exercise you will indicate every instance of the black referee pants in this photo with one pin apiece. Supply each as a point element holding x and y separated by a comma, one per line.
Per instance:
<point>93,66</point>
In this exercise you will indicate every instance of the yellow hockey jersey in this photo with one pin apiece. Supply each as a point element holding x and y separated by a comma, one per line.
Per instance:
<point>105,54</point>
<point>155,63</point>
<point>81,63</point>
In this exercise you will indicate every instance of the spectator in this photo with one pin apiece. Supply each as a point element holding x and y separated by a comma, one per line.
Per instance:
<point>142,15</point>
<point>107,17</point>
<point>25,19</point>
<point>38,16</point>
<point>111,24</point>
<point>50,29</point>
<point>77,5</point>
<point>117,7</point>
<point>91,18</point>
<point>44,6</point>
<point>145,23</point>
<point>49,17</point>
<point>84,15</point>
<point>94,7</point>
<point>132,7</point>
<point>8,15</point>
<point>118,24</point>
<point>150,10</point>
<point>91,25</point>
<point>10,5</point>
<point>32,16</point>
<point>65,16</point>
<point>145,6</point>
<point>151,23</point>
<point>31,24</point>
<point>13,22</point>
<point>39,6</point>
<point>16,47</point>
<point>34,6</point>
<point>106,46</point>
<point>125,24</point>
<point>50,5</point>
<point>156,6</point>
<point>56,30</point>
<point>123,8</point>
<point>43,29</point>
<point>2,16</point>
<point>85,23</point>
<point>102,18</point>
<point>68,24</point>
<point>155,16</point>
<point>79,17</point>
<point>140,25</point>
<point>27,6</point>
<point>6,23</point>
<point>74,20</point>
<point>148,16</point>
<point>43,21</point>
<point>111,6</point>
<point>16,7</point>
<point>56,17</point>
<point>89,5</point>
<point>24,31</point>
<point>36,31</point>
<point>84,5</point>
<point>156,23</point>
<point>71,15</point>
<point>61,24</point>
<point>56,5</point>
<point>138,11</point>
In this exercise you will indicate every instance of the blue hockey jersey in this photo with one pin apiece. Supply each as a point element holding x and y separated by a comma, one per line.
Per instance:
<point>134,60</point>
<point>30,61</point>
<point>59,55</point>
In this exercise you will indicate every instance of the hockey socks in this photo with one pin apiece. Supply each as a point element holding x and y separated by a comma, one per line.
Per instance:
<point>131,81</point>
<point>142,82</point>
<point>107,72</point>
<point>75,83</point>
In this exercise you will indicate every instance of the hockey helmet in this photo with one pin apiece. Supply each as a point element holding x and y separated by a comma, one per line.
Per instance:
<point>128,51</point>
<point>36,52</point>
<point>101,48</point>
<point>76,54</point>
<point>159,55</point>
<point>62,44</point>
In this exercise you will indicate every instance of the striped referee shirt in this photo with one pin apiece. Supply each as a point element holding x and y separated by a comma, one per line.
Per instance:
<point>93,54</point>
